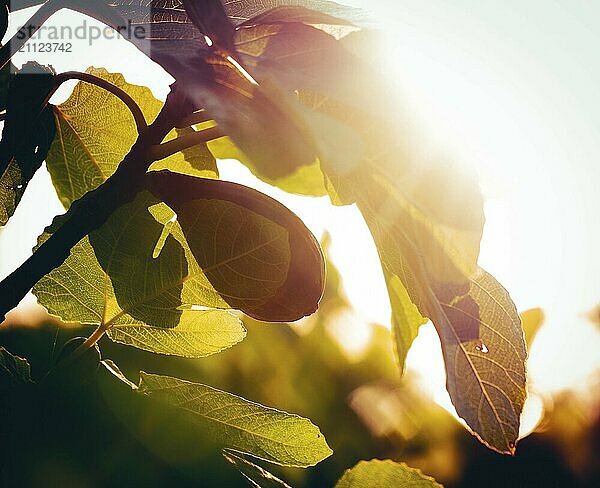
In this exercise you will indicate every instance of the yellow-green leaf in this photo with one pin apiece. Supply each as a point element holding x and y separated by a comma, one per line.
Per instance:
<point>406,319</point>
<point>95,130</point>
<point>113,278</point>
<point>200,333</point>
<point>384,474</point>
<point>263,432</point>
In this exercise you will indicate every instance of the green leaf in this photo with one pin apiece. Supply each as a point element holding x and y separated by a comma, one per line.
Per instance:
<point>200,334</point>
<point>257,254</point>
<point>114,279</point>
<point>256,475</point>
<point>305,180</point>
<point>384,474</point>
<point>262,432</point>
<point>406,319</point>
<point>95,130</point>
<point>14,370</point>
<point>477,322</point>
<point>486,376</point>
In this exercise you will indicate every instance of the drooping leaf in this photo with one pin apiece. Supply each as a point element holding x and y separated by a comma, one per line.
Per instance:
<point>477,322</point>
<point>256,475</point>
<point>14,370</point>
<point>264,433</point>
<point>256,253</point>
<point>95,130</point>
<point>486,376</point>
<point>28,131</point>
<point>384,474</point>
<point>113,278</point>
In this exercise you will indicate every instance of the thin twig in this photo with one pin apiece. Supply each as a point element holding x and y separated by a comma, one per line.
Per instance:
<point>169,148</point>
<point>194,119</point>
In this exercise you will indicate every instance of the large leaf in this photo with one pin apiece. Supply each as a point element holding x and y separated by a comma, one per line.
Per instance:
<point>384,474</point>
<point>256,475</point>
<point>262,432</point>
<point>14,370</point>
<point>199,334</point>
<point>95,130</point>
<point>256,253</point>
<point>114,278</point>
<point>28,131</point>
<point>486,376</point>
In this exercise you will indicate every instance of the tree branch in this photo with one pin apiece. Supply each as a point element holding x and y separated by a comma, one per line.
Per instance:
<point>92,210</point>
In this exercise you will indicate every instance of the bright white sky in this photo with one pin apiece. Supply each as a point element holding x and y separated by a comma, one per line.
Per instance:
<point>510,88</point>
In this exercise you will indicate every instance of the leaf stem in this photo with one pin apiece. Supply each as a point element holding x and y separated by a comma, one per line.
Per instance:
<point>194,119</point>
<point>131,104</point>
<point>166,149</point>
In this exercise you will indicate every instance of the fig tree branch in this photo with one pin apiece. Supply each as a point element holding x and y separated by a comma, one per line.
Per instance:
<point>92,210</point>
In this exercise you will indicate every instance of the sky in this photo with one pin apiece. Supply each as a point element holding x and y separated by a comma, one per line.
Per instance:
<point>508,88</point>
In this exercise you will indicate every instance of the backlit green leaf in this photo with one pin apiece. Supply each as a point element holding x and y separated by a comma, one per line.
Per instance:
<point>199,334</point>
<point>114,278</point>
<point>384,474</point>
<point>95,130</point>
<point>406,319</point>
<point>486,375</point>
<point>262,432</point>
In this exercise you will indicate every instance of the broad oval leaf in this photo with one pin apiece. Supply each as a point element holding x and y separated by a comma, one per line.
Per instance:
<point>384,474</point>
<point>486,377</point>
<point>263,432</point>
<point>255,252</point>
<point>114,277</point>
<point>200,333</point>
<point>469,311</point>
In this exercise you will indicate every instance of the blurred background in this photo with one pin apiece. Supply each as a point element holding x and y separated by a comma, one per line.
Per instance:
<point>508,89</point>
